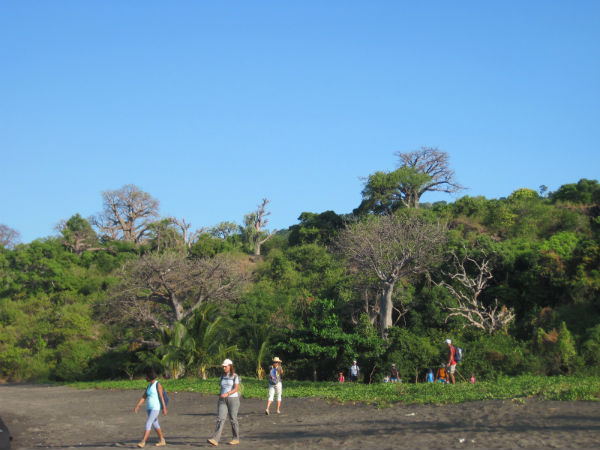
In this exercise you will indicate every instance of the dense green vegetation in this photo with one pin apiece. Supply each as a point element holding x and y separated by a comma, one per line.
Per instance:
<point>101,303</point>
<point>518,388</point>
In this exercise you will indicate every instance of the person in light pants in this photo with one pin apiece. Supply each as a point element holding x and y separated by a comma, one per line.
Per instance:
<point>275,384</point>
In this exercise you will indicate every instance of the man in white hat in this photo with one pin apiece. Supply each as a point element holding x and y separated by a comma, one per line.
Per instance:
<point>275,374</point>
<point>451,365</point>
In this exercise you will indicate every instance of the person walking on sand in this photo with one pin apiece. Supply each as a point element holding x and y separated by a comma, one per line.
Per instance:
<point>451,364</point>
<point>228,404</point>
<point>354,371</point>
<point>154,397</point>
<point>275,384</point>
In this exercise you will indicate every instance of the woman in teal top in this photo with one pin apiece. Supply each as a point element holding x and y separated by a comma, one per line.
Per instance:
<point>155,399</point>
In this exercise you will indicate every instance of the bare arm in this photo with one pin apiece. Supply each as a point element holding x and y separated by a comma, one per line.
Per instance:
<point>141,401</point>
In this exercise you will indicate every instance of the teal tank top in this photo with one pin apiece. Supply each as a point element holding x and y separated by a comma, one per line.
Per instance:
<point>152,400</point>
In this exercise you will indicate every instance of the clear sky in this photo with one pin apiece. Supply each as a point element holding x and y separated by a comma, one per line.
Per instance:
<point>211,106</point>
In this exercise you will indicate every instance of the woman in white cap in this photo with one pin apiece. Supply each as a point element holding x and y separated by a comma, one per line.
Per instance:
<point>275,384</point>
<point>229,404</point>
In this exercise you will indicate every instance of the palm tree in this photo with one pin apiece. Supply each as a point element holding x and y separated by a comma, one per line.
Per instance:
<point>258,344</point>
<point>207,339</point>
<point>173,351</point>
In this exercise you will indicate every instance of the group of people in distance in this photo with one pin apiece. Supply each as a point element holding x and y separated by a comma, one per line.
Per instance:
<point>445,373</point>
<point>227,406</point>
<point>354,372</point>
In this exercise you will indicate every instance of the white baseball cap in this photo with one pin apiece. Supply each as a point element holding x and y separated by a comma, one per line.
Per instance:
<point>447,341</point>
<point>227,362</point>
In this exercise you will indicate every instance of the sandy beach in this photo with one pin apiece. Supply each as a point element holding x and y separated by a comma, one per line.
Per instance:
<point>59,417</point>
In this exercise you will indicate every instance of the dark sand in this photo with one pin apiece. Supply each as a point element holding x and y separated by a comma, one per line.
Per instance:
<point>65,418</point>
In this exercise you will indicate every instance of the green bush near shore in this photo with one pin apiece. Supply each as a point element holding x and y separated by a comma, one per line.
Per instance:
<point>522,387</point>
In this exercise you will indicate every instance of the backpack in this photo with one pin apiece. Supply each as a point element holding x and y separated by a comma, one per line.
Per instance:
<point>165,396</point>
<point>458,354</point>
<point>240,387</point>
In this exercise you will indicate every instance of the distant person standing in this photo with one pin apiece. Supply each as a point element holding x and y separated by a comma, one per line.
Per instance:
<point>341,378</point>
<point>394,377</point>
<point>275,386</point>
<point>429,376</point>
<point>228,405</point>
<point>451,364</point>
<point>354,371</point>
<point>154,397</point>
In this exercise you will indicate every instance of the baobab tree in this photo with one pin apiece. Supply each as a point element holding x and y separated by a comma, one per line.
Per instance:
<point>127,214</point>
<point>421,171</point>
<point>78,235</point>
<point>434,163</point>
<point>392,247</point>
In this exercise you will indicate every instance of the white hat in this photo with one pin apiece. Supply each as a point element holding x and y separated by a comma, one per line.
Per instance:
<point>227,362</point>
<point>447,341</point>
<point>276,359</point>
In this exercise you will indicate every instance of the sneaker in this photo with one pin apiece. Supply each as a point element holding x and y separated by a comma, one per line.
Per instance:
<point>160,443</point>
<point>141,444</point>
<point>234,442</point>
<point>278,412</point>
<point>213,442</point>
<point>267,412</point>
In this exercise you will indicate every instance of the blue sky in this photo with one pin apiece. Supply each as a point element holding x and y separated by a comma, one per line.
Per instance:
<point>211,106</point>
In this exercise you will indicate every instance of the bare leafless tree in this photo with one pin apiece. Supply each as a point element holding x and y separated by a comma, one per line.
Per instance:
<point>392,248</point>
<point>466,290</point>
<point>432,162</point>
<point>188,238</point>
<point>161,289</point>
<point>126,215</point>
<point>255,223</point>
<point>9,237</point>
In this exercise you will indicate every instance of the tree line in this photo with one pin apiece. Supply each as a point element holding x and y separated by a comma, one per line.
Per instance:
<point>514,281</point>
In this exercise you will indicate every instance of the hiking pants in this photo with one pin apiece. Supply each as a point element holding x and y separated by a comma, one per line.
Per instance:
<point>227,406</point>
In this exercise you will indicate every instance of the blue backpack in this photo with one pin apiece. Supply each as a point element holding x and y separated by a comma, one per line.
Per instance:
<point>166,397</point>
<point>458,354</point>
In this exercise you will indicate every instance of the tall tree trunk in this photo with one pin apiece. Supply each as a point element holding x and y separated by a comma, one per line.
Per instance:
<point>385,308</point>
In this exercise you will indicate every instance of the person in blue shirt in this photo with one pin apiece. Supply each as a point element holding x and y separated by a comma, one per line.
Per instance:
<point>430,376</point>
<point>275,375</point>
<point>154,395</point>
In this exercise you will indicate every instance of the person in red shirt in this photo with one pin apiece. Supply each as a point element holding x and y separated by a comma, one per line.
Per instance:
<point>341,378</point>
<point>451,364</point>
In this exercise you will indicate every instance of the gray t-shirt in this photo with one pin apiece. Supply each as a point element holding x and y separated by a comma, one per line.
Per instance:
<point>227,384</point>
